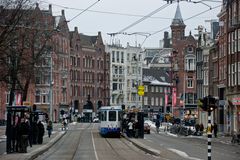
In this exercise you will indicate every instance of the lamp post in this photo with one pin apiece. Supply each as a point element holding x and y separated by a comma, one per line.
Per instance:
<point>51,88</point>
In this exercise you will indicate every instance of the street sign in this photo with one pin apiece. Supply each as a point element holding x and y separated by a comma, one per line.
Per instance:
<point>140,90</point>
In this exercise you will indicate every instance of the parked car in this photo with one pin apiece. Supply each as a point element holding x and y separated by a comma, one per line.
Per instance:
<point>146,128</point>
<point>95,120</point>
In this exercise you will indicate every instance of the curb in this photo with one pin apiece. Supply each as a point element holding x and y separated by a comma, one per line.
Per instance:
<point>143,147</point>
<point>46,147</point>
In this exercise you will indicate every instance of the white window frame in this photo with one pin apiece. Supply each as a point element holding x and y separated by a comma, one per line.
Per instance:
<point>156,101</point>
<point>152,101</point>
<point>239,36</point>
<point>190,82</point>
<point>145,101</point>
<point>238,73</point>
<point>145,88</point>
<point>161,101</point>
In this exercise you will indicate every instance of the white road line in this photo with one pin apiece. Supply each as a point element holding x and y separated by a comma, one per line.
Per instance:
<point>183,154</point>
<point>94,147</point>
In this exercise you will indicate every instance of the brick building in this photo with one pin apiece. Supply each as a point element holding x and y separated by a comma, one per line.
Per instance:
<point>89,73</point>
<point>184,70</point>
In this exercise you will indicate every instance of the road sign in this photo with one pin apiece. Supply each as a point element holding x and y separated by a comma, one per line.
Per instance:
<point>140,90</point>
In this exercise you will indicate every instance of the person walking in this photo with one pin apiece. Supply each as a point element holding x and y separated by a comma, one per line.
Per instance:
<point>157,124</point>
<point>40,132</point>
<point>130,128</point>
<point>49,128</point>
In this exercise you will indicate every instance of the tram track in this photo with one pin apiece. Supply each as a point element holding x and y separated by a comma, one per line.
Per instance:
<point>72,148</point>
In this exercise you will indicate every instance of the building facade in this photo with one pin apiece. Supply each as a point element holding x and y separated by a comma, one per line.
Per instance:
<point>184,68</point>
<point>126,75</point>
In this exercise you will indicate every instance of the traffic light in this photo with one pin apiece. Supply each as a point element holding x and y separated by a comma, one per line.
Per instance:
<point>208,103</point>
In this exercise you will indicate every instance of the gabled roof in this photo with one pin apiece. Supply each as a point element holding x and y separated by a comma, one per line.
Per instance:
<point>88,40</point>
<point>156,76</point>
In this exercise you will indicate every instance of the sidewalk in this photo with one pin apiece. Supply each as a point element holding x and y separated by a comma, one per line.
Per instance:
<point>35,150</point>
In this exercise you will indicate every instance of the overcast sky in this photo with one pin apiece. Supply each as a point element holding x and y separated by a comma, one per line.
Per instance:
<point>111,16</point>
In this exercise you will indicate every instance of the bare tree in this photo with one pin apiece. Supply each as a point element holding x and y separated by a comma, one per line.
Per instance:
<point>24,41</point>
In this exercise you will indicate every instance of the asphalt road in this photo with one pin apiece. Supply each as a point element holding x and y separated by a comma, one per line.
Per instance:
<point>192,148</point>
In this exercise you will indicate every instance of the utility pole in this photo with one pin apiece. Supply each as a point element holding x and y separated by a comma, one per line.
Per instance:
<point>208,104</point>
<point>51,88</point>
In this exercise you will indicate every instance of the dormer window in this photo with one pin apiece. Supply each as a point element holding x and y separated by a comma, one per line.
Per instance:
<point>190,49</point>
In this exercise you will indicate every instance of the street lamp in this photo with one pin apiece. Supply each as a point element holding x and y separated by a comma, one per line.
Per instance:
<point>51,88</point>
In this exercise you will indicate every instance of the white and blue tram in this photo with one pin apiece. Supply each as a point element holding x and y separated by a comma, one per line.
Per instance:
<point>110,120</point>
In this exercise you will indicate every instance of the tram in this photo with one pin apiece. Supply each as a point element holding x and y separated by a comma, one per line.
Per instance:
<point>110,120</point>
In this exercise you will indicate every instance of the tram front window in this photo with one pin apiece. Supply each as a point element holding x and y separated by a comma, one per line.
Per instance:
<point>104,116</point>
<point>112,116</point>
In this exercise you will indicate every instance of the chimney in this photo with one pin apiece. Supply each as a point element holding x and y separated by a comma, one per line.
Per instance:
<point>50,8</point>
<point>76,29</point>
<point>63,14</point>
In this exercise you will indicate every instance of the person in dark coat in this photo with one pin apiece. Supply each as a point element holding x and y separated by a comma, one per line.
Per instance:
<point>40,132</point>
<point>34,132</point>
<point>23,132</point>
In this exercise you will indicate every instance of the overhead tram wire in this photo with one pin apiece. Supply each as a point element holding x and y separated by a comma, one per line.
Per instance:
<point>83,11</point>
<point>105,12</point>
<point>143,18</point>
<point>183,20</point>
<point>189,18</point>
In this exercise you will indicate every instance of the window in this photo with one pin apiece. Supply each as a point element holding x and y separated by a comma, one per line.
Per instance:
<point>113,56</point>
<point>239,35</point>
<point>112,116</point>
<point>145,88</point>
<point>104,116</point>
<point>128,57</point>
<point>229,75</point>
<point>161,89</point>
<point>190,64</point>
<point>145,100</point>
<point>38,79</point>
<point>114,86</point>
<point>37,97</point>
<point>122,58</point>
<point>118,56</point>
<point>229,43</point>
<point>161,101</point>
<point>238,73</point>
<point>156,101</point>
<point>152,101</point>
<point>152,88</point>
<point>7,97</point>
<point>234,74</point>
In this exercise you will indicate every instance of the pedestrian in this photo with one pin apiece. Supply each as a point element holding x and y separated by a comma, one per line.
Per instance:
<point>136,127</point>
<point>40,132</point>
<point>197,128</point>
<point>35,132</point>
<point>130,128</point>
<point>157,124</point>
<point>49,128</point>
<point>23,135</point>
<point>201,128</point>
<point>215,129</point>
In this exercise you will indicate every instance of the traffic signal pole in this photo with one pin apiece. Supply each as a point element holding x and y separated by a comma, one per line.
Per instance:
<point>209,133</point>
